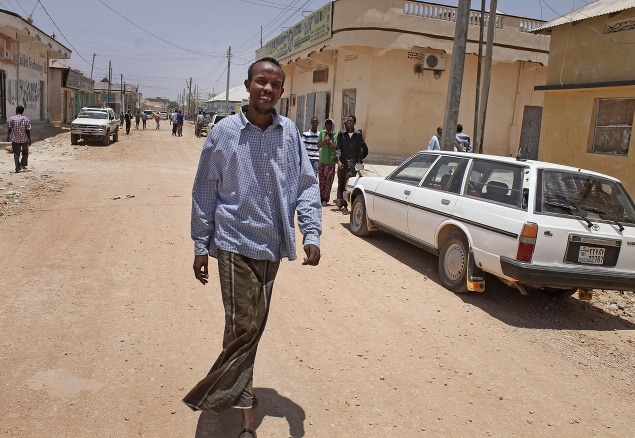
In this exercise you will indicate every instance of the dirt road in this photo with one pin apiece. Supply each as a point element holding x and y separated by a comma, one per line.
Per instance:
<point>104,328</point>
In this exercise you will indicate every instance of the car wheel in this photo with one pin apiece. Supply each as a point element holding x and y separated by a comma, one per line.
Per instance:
<point>453,259</point>
<point>74,139</point>
<point>359,220</point>
<point>106,139</point>
<point>115,136</point>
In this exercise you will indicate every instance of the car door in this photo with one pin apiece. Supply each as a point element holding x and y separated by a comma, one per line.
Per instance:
<point>433,202</point>
<point>390,206</point>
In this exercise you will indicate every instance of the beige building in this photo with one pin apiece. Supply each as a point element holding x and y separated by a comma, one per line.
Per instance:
<point>590,91</point>
<point>388,61</point>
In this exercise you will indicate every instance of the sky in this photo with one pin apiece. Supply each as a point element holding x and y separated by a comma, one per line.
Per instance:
<point>159,45</point>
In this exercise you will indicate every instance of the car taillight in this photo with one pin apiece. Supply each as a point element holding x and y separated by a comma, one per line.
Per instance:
<point>527,242</point>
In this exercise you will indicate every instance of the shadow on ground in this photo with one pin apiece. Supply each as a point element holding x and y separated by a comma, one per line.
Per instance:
<point>536,311</point>
<point>271,404</point>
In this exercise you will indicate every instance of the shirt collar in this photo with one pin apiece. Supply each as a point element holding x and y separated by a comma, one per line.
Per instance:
<point>243,118</point>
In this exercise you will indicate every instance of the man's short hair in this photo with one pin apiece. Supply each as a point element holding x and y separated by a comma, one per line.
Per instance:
<point>328,122</point>
<point>19,109</point>
<point>353,117</point>
<point>459,127</point>
<point>270,59</point>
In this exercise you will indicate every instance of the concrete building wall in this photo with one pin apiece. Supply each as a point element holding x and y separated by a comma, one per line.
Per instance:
<point>55,104</point>
<point>398,109</point>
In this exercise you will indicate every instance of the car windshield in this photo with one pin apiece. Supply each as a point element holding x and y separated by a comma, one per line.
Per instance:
<point>584,195</point>
<point>93,115</point>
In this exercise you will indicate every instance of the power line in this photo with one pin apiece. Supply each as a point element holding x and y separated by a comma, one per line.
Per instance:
<point>61,33</point>
<point>156,36</point>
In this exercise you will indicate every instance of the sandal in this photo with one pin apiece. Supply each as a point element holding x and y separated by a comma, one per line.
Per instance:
<point>249,431</point>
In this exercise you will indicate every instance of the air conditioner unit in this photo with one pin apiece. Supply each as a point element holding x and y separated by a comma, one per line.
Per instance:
<point>433,61</point>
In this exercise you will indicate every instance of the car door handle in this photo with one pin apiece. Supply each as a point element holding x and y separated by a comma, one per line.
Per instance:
<point>445,201</point>
<point>406,192</point>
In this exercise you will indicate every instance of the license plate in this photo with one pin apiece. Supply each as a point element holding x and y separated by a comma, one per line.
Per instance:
<point>591,255</point>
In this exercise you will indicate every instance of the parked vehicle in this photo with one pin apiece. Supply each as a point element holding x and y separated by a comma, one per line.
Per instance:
<point>532,224</point>
<point>94,123</point>
<point>201,124</point>
<point>149,113</point>
<point>215,119</point>
<point>163,114</point>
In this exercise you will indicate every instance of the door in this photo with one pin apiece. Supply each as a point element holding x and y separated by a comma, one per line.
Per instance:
<point>310,111</point>
<point>390,203</point>
<point>299,113</point>
<point>433,202</point>
<point>3,96</point>
<point>349,98</point>
<point>530,132</point>
<point>322,106</point>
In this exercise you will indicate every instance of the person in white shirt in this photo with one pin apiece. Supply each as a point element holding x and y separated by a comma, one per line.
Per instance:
<point>435,142</point>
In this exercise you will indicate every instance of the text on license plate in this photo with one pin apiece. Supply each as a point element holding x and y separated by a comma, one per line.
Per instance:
<point>591,255</point>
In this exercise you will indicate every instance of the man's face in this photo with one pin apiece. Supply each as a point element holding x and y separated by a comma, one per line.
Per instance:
<point>265,87</point>
<point>350,124</point>
<point>328,127</point>
<point>314,124</point>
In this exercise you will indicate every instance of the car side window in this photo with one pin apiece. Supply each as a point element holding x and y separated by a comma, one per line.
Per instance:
<point>496,182</point>
<point>412,171</point>
<point>447,174</point>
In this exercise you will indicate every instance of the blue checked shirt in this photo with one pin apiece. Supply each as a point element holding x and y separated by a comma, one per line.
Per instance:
<point>248,186</point>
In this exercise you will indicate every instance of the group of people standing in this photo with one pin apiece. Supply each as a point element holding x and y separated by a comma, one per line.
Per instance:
<point>176,119</point>
<point>332,152</point>
<point>138,117</point>
<point>462,141</point>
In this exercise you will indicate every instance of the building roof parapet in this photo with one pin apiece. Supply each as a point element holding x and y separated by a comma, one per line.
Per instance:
<point>25,32</point>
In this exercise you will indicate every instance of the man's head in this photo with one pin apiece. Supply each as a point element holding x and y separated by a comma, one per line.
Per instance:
<point>350,123</point>
<point>459,128</point>
<point>314,124</point>
<point>19,109</point>
<point>439,130</point>
<point>265,84</point>
<point>328,125</point>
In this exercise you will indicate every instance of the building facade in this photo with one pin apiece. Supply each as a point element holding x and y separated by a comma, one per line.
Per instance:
<point>25,52</point>
<point>68,92</point>
<point>388,62</point>
<point>590,91</point>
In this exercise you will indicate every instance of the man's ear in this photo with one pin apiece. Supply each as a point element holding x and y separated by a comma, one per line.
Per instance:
<point>247,84</point>
<point>281,91</point>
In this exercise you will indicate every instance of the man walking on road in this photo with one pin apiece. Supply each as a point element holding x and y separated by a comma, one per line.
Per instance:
<point>144,119</point>
<point>175,122</point>
<point>179,123</point>
<point>353,150</point>
<point>253,176</point>
<point>128,119</point>
<point>327,144</point>
<point>20,135</point>
<point>310,139</point>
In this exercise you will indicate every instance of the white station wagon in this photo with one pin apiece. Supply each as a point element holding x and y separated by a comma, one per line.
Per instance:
<point>532,224</point>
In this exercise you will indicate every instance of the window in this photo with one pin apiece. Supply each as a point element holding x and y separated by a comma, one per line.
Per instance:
<point>413,170</point>
<point>447,174</point>
<point>321,75</point>
<point>613,125</point>
<point>348,102</point>
<point>496,182</point>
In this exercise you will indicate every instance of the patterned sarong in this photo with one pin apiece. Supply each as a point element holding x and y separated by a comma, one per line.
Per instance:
<point>326,174</point>
<point>246,286</point>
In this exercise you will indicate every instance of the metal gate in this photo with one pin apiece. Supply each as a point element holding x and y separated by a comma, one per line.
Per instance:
<point>530,132</point>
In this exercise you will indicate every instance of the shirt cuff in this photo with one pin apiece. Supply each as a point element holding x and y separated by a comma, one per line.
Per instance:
<point>311,239</point>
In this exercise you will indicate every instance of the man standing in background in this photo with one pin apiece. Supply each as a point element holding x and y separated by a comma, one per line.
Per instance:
<point>20,134</point>
<point>463,142</point>
<point>310,139</point>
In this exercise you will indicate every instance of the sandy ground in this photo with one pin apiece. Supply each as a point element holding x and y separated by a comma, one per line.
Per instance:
<point>104,327</point>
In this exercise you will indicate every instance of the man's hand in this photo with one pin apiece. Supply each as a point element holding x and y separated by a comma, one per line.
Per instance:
<point>312,255</point>
<point>200,268</point>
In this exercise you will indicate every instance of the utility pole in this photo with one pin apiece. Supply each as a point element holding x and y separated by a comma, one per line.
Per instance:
<point>261,37</point>
<point>229,63</point>
<point>92,66</point>
<point>478,74</point>
<point>109,83</point>
<point>491,24</point>
<point>189,99</point>
<point>122,95</point>
<point>453,101</point>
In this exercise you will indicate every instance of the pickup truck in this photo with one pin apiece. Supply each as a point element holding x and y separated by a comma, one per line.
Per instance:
<point>95,124</point>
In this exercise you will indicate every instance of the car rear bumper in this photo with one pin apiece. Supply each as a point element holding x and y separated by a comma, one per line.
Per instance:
<point>574,277</point>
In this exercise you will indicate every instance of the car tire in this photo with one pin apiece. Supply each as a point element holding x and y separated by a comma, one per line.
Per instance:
<point>106,139</point>
<point>453,262</point>
<point>115,136</point>
<point>359,220</point>
<point>74,139</point>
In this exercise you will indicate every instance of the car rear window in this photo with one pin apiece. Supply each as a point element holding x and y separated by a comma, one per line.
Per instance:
<point>586,195</point>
